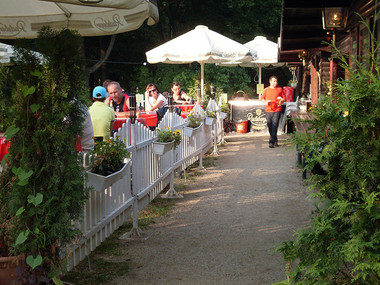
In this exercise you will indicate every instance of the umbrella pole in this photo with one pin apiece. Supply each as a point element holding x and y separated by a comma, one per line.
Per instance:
<point>202,79</point>
<point>260,74</point>
<point>259,79</point>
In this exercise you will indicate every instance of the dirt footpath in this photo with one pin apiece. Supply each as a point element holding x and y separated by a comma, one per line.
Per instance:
<point>231,218</point>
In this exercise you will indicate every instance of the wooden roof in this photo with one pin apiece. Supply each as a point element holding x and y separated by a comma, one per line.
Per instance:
<point>301,26</point>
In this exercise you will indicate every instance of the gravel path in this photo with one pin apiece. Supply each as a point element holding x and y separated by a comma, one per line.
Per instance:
<point>231,218</point>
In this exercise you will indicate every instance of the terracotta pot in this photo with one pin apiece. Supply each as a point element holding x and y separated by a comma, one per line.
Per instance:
<point>8,267</point>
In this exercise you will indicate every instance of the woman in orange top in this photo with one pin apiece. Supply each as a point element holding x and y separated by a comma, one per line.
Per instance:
<point>273,97</point>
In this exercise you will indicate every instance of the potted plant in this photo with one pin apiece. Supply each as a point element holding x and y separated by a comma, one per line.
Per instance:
<point>210,117</point>
<point>41,185</point>
<point>166,139</point>
<point>194,121</point>
<point>108,165</point>
<point>224,111</point>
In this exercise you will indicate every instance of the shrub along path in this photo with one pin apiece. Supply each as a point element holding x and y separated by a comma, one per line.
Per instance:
<point>232,217</point>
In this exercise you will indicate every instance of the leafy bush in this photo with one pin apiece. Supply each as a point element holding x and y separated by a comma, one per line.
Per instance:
<point>341,244</point>
<point>41,186</point>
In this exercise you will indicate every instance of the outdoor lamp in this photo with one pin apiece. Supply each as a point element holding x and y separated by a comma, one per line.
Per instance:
<point>212,91</point>
<point>170,103</point>
<point>132,108</point>
<point>303,56</point>
<point>334,18</point>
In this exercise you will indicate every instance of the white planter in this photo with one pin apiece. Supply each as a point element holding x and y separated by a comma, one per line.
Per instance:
<point>294,84</point>
<point>210,121</point>
<point>223,115</point>
<point>100,182</point>
<point>161,148</point>
<point>187,131</point>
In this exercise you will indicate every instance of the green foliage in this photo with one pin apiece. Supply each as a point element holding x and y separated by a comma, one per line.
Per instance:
<point>341,244</point>
<point>165,135</point>
<point>194,120</point>
<point>5,98</point>
<point>109,156</point>
<point>41,186</point>
<point>211,114</point>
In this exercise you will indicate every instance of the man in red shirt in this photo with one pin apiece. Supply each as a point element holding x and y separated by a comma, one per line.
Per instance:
<point>273,97</point>
<point>119,101</point>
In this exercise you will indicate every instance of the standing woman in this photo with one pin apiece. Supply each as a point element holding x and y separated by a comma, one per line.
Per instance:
<point>273,97</point>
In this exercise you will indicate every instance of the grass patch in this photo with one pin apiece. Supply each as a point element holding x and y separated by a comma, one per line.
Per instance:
<point>107,261</point>
<point>102,271</point>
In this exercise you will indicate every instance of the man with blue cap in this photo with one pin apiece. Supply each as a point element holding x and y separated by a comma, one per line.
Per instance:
<point>102,116</point>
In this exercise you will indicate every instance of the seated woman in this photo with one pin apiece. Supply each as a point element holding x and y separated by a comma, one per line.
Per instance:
<point>179,96</point>
<point>155,101</point>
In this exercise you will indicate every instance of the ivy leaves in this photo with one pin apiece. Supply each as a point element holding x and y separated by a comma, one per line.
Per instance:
<point>22,237</point>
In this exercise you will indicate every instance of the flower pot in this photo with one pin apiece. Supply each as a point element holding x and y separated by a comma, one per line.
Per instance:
<point>210,121</point>
<point>223,115</point>
<point>100,182</point>
<point>8,267</point>
<point>187,131</point>
<point>161,148</point>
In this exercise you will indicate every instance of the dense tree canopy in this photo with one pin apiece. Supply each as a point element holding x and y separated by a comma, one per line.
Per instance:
<point>240,20</point>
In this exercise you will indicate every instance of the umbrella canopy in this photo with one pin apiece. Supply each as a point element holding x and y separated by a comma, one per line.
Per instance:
<point>7,52</point>
<point>266,54</point>
<point>24,18</point>
<point>202,45</point>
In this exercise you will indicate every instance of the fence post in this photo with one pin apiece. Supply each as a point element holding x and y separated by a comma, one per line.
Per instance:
<point>135,232</point>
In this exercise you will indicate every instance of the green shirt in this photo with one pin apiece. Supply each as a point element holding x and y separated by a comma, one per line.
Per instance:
<point>101,117</point>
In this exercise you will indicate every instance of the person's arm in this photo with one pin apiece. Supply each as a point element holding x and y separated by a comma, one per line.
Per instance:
<point>186,97</point>
<point>157,105</point>
<point>263,98</point>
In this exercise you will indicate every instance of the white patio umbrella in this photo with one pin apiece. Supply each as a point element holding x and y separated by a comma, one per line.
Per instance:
<point>202,45</point>
<point>7,52</point>
<point>24,18</point>
<point>266,55</point>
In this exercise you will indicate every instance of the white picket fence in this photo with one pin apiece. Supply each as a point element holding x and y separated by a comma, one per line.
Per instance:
<point>148,175</point>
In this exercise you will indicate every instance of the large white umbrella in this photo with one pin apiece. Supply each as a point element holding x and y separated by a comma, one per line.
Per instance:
<point>202,45</point>
<point>266,54</point>
<point>24,18</point>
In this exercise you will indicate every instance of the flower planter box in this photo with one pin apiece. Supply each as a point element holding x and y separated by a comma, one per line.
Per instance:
<point>100,182</point>
<point>210,121</point>
<point>223,115</point>
<point>161,148</point>
<point>187,131</point>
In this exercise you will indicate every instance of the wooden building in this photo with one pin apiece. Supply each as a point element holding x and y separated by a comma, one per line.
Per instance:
<point>303,38</point>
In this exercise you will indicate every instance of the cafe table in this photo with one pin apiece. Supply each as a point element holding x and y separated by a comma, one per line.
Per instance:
<point>120,121</point>
<point>185,107</point>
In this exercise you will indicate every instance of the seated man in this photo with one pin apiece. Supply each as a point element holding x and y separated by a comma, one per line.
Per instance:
<point>119,101</point>
<point>102,116</point>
